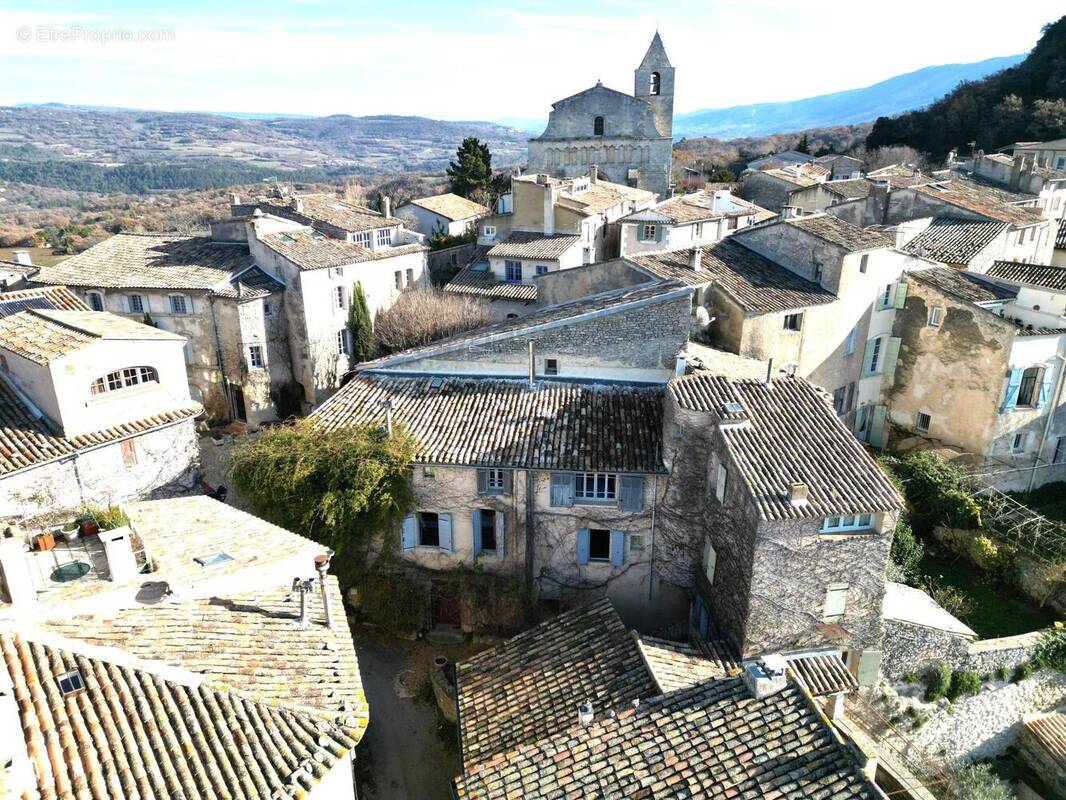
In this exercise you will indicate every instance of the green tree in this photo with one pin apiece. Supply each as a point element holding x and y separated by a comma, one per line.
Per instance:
<point>907,554</point>
<point>804,145</point>
<point>360,326</point>
<point>976,782</point>
<point>472,169</point>
<point>344,488</point>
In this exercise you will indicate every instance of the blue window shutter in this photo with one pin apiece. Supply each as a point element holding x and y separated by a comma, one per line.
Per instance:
<point>482,481</point>
<point>878,430</point>
<point>410,532</point>
<point>583,546</point>
<point>501,534</point>
<point>508,481</point>
<point>562,489</point>
<point>658,233</point>
<point>631,496</point>
<point>618,548</point>
<point>476,520</point>
<point>444,525</point>
<point>1014,382</point>
<point>901,295</point>
<point>867,357</point>
<point>891,355</point>
<point>1045,387</point>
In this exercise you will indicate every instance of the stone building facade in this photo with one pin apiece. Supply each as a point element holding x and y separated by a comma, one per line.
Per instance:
<point>628,137</point>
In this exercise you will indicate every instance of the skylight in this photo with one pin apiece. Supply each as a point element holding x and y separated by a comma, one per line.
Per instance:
<point>70,682</point>
<point>212,559</point>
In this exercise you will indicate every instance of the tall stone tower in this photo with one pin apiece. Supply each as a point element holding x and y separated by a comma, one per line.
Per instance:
<point>653,81</point>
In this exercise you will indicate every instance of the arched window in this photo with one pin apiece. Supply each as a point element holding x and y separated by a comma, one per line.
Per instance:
<point>597,126</point>
<point>655,83</point>
<point>123,379</point>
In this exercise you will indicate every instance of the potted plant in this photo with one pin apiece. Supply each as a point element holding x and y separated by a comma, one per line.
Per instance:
<point>70,531</point>
<point>46,540</point>
<point>87,525</point>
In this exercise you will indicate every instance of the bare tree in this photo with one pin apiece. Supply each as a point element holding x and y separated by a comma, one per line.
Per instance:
<point>423,315</point>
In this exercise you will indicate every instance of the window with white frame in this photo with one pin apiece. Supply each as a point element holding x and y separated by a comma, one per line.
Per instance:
<point>542,269</point>
<point>364,239</point>
<point>849,343</point>
<point>179,304</point>
<point>922,422</point>
<point>123,379</point>
<point>647,231</point>
<point>512,271</point>
<point>595,487</point>
<point>255,356</point>
<point>383,237</point>
<point>489,231</point>
<point>96,301</point>
<point>936,316</point>
<point>851,522</point>
<point>338,296</point>
<point>793,322</point>
<point>135,303</point>
<point>343,343</point>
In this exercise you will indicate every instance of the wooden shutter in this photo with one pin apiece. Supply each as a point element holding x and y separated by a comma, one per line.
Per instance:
<point>476,522</point>
<point>583,547</point>
<point>658,233</point>
<point>562,489</point>
<point>501,534</point>
<point>867,357</point>
<point>618,548</point>
<point>631,495</point>
<point>1045,387</point>
<point>901,295</point>
<point>891,355</point>
<point>878,431</point>
<point>1014,382</point>
<point>869,667</point>
<point>482,481</point>
<point>410,532</point>
<point>444,528</point>
<point>508,481</point>
<point>836,601</point>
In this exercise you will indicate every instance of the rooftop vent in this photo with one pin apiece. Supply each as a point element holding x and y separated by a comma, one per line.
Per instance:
<point>70,682</point>
<point>731,409</point>
<point>436,383</point>
<point>797,493</point>
<point>765,677</point>
<point>584,713</point>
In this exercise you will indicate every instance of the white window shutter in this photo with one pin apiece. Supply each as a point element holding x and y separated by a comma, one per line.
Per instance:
<point>444,527</point>
<point>836,601</point>
<point>410,532</point>
<point>501,534</point>
<point>476,528</point>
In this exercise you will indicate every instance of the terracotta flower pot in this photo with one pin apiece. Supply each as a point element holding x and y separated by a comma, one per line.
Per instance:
<point>89,527</point>
<point>46,541</point>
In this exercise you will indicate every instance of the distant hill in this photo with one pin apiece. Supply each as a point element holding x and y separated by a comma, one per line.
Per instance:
<point>893,96</point>
<point>1025,102</point>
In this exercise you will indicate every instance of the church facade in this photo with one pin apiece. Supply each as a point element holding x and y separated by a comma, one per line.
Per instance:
<point>629,138</point>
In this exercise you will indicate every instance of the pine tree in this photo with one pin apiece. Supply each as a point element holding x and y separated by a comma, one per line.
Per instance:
<point>360,327</point>
<point>472,168</point>
<point>804,145</point>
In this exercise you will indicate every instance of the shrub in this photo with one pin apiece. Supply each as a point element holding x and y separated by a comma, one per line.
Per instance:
<point>424,315</point>
<point>937,682</point>
<point>963,682</point>
<point>975,782</point>
<point>910,677</point>
<point>1002,674</point>
<point>1051,651</point>
<point>937,491</point>
<point>108,518</point>
<point>984,552</point>
<point>950,598</point>
<point>1022,671</point>
<point>907,552</point>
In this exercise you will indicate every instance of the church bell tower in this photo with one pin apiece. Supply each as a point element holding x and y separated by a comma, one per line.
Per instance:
<point>654,83</point>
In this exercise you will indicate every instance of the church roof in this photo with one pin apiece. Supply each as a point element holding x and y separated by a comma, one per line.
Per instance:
<point>656,55</point>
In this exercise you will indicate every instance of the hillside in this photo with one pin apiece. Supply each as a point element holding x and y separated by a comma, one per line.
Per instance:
<point>1024,103</point>
<point>900,93</point>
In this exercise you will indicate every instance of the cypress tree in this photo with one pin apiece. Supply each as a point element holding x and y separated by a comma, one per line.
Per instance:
<point>360,326</point>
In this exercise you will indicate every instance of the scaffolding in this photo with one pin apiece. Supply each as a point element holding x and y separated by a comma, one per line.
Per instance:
<point>1008,520</point>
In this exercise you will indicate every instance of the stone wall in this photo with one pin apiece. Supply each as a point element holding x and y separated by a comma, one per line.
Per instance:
<point>915,648</point>
<point>443,264</point>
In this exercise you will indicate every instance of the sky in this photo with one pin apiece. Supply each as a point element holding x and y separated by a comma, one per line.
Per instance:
<point>475,59</point>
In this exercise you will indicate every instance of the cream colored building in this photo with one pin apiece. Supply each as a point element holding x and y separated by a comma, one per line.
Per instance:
<point>445,214</point>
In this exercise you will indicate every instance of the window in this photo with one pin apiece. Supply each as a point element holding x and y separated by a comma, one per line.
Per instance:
<point>636,542</point>
<point>1021,237</point>
<point>733,223</point>
<point>936,316</point>
<point>655,84</point>
<point>599,544</point>
<point>1060,163</point>
<point>267,308</point>
<point>96,301</point>
<point>886,297</point>
<point>179,304</point>
<point>793,322</point>
<point>648,232</point>
<point>849,403</point>
<point>1027,390</point>
<point>429,529</point>
<point>922,422</point>
<point>710,561</point>
<point>338,296</point>
<point>70,682</point>
<point>1032,234</point>
<point>383,237</point>
<point>864,262</point>
<point>839,398</point>
<point>551,366</point>
<point>410,276</point>
<point>595,487</point>
<point>1017,444</point>
<point>489,231</point>
<point>721,478</point>
<point>343,344</point>
<point>836,602</point>
<point>1060,451</point>
<point>213,558</point>
<point>488,529</point>
<point>849,343</point>
<point>494,481</point>
<point>397,278</point>
<point>512,271</point>
<point>854,522</point>
<point>542,269</point>
<point>255,356</point>
<point>123,379</point>
<point>135,303</point>
<point>363,239</point>
<point>597,126</point>
<point>875,355</point>
<point>128,448</point>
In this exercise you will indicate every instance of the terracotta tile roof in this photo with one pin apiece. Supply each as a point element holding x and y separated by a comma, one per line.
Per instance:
<point>491,422</point>
<point>1049,730</point>
<point>254,282</point>
<point>534,245</point>
<point>28,441</point>
<point>601,196</point>
<point>528,688</point>
<point>836,231</point>
<point>58,297</point>
<point>321,207</point>
<point>900,176</point>
<point>799,174</point>
<point>152,261</point>
<point>963,285</point>
<point>131,732</point>
<point>710,741</point>
<point>1042,275</point>
<point>979,198</point>
<point>483,283</point>
<point>787,433</point>
<point>951,240</point>
<point>674,665</point>
<point>42,335</point>
<point>755,282</point>
<point>823,674</point>
<point>452,206</point>
<point>1060,237</point>
<point>850,189</point>
<point>699,206</point>
<point>309,250</point>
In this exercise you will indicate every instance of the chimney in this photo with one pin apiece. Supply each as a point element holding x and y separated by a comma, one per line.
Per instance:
<point>532,365</point>
<point>797,493</point>
<point>304,587</point>
<point>594,173</point>
<point>15,566</point>
<point>585,714</point>
<point>386,205</point>
<point>297,204</point>
<point>679,365</point>
<point>695,258</point>
<point>1016,171</point>
<point>789,212</point>
<point>880,190</point>
<point>549,209</point>
<point>769,372</point>
<point>234,199</point>
<point>322,567</point>
<point>542,179</point>
<point>765,677</point>
<point>118,549</point>
<point>22,257</point>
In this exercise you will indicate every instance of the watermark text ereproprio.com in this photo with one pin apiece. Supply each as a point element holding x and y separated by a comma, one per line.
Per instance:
<point>71,34</point>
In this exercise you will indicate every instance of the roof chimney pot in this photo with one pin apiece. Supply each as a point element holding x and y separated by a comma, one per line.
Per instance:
<point>797,493</point>
<point>585,714</point>
<point>322,567</point>
<point>695,258</point>
<point>22,257</point>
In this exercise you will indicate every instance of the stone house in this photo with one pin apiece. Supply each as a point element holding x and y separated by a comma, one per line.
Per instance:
<point>770,187</point>
<point>977,371</point>
<point>797,519</point>
<point>105,677</point>
<point>817,197</point>
<point>94,408</point>
<point>785,158</point>
<point>689,220</point>
<point>1019,174</point>
<point>841,167</point>
<point>629,137</point>
<point>1052,152</point>
<point>446,214</point>
<point>967,244</point>
<point>230,312</point>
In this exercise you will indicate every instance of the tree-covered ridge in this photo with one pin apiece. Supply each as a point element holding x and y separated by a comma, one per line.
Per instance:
<point>1024,103</point>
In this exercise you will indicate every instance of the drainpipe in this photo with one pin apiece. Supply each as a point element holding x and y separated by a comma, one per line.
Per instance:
<point>1047,422</point>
